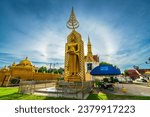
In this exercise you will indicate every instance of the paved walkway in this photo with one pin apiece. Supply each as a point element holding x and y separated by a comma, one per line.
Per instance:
<point>133,89</point>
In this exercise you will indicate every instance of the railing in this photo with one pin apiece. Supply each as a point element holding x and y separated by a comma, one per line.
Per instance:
<point>62,89</point>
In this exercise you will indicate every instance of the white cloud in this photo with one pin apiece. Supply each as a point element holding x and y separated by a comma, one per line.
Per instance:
<point>46,42</point>
<point>113,44</point>
<point>105,41</point>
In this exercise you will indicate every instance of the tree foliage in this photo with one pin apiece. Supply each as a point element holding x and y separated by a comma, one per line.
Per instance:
<point>126,72</point>
<point>54,70</point>
<point>43,69</point>
<point>106,63</point>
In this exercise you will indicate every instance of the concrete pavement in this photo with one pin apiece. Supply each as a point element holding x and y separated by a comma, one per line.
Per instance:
<point>132,89</point>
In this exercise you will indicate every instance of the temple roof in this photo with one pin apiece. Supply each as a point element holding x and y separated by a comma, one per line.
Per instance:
<point>4,68</point>
<point>90,57</point>
<point>143,71</point>
<point>133,73</point>
<point>14,64</point>
<point>96,58</point>
<point>25,62</point>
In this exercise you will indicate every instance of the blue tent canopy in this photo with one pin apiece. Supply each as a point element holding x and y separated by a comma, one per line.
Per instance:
<point>105,70</point>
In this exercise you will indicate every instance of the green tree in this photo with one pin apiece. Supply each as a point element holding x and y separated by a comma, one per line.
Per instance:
<point>43,69</point>
<point>56,71</point>
<point>126,72</point>
<point>60,70</point>
<point>112,79</point>
<point>105,63</point>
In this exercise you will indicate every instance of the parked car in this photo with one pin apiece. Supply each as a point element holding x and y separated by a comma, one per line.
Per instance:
<point>141,80</point>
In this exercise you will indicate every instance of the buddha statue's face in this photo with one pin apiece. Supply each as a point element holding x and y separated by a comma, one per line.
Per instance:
<point>72,39</point>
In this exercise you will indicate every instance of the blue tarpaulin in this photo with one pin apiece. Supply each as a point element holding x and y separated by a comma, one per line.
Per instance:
<point>105,70</point>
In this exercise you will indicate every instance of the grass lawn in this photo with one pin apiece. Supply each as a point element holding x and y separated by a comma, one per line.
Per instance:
<point>99,96</point>
<point>102,96</point>
<point>11,93</point>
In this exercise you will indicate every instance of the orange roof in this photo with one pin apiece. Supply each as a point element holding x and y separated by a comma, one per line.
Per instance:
<point>96,58</point>
<point>143,71</point>
<point>133,73</point>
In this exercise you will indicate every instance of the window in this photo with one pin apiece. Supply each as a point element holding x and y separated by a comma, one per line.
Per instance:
<point>89,66</point>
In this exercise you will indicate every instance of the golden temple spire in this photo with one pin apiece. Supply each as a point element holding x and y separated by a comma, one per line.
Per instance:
<point>89,57</point>
<point>89,47</point>
<point>14,64</point>
<point>72,23</point>
<point>5,67</point>
<point>89,43</point>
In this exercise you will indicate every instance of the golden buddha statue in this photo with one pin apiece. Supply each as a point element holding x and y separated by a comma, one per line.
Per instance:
<point>74,53</point>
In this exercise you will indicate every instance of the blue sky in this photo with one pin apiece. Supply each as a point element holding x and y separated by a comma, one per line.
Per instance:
<point>119,30</point>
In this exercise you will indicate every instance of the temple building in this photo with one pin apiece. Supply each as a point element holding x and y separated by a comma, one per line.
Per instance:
<point>24,70</point>
<point>137,73</point>
<point>144,72</point>
<point>91,61</point>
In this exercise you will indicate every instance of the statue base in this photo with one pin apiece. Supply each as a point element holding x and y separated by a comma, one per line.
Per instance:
<point>77,90</point>
<point>73,78</point>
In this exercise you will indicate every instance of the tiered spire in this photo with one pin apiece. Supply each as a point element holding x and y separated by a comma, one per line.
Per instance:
<point>89,57</point>
<point>72,22</point>
<point>89,47</point>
